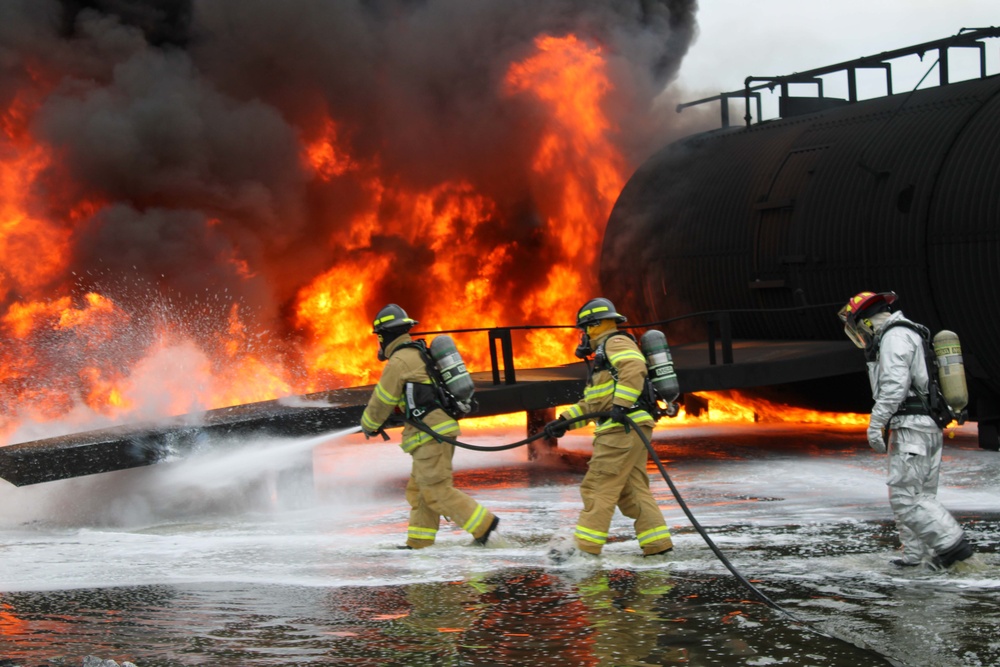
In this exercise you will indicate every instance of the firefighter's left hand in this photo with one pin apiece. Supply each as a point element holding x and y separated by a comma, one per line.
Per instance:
<point>875,440</point>
<point>618,413</point>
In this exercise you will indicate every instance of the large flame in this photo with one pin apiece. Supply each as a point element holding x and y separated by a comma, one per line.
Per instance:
<point>577,174</point>
<point>466,250</point>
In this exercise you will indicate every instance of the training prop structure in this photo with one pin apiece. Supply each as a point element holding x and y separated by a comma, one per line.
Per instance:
<point>778,365</point>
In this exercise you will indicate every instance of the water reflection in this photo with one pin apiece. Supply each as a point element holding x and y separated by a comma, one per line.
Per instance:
<point>516,617</point>
<point>159,579</point>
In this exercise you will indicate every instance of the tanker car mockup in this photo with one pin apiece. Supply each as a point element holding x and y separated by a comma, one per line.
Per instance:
<point>779,222</point>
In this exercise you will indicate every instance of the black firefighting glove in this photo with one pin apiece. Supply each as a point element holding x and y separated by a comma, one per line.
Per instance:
<point>556,428</point>
<point>618,413</point>
<point>371,434</point>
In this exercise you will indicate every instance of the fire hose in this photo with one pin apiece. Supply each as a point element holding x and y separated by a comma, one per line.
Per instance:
<point>680,501</point>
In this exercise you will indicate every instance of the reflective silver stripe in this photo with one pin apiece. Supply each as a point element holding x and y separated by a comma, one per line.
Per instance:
<point>588,535</point>
<point>448,427</point>
<point>475,520</point>
<point>368,423</point>
<point>599,390</point>
<point>626,354</point>
<point>385,396</point>
<point>629,394</point>
<point>419,533</point>
<point>652,535</point>
<point>638,416</point>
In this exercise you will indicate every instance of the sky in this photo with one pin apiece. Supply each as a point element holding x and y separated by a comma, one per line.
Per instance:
<point>740,38</point>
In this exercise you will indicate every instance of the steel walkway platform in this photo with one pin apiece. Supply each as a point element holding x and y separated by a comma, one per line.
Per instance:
<point>744,364</point>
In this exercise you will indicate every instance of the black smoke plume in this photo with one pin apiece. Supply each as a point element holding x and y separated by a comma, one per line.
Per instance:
<point>183,122</point>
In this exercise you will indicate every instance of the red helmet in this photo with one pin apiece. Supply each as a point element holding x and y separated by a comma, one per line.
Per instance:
<point>856,312</point>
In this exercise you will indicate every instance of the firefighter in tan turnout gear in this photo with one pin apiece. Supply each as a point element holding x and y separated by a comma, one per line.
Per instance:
<point>406,390</point>
<point>616,475</point>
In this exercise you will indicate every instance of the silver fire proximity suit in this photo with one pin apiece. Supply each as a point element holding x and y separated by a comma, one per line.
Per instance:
<point>926,528</point>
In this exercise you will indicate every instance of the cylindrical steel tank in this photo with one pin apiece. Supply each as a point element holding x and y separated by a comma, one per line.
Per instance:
<point>898,193</point>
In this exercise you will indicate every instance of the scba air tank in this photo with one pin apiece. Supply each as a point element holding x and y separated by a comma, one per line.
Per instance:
<point>951,370</point>
<point>660,365</point>
<point>449,362</point>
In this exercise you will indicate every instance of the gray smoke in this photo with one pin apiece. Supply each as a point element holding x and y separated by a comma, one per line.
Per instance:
<point>183,121</point>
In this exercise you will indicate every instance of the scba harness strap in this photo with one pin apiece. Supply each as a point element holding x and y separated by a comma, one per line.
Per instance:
<point>647,399</point>
<point>422,398</point>
<point>933,404</point>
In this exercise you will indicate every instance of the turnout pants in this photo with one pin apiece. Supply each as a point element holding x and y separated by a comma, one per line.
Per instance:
<point>926,528</point>
<point>617,477</point>
<point>431,495</point>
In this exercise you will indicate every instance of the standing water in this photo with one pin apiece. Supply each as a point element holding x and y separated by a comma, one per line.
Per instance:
<point>235,557</point>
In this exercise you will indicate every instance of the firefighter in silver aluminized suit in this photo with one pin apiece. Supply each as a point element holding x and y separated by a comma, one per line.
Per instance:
<point>897,371</point>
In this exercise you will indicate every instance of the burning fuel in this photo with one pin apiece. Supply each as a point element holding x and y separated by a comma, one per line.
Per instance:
<point>202,204</point>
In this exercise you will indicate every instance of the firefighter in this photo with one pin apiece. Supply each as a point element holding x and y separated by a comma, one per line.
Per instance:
<point>616,475</point>
<point>898,373</point>
<point>406,390</point>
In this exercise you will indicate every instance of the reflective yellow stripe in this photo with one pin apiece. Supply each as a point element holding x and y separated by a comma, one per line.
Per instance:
<point>626,354</point>
<point>589,535</point>
<point>599,390</point>
<point>475,520</point>
<point>368,424</point>
<point>419,533</point>
<point>638,416</point>
<point>447,427</point>
<point>598,309</point>
<point>572,413</point>
<point>385,396</point>
<point>387,318</point>
<point>652,535</point>
<point>628,393</point>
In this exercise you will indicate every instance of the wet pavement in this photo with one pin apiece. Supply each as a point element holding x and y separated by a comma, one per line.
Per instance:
<point>221,561</point>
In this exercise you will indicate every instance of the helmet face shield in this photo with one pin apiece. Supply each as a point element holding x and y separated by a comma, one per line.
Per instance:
<point>860,335</point>
<point>855,314</point>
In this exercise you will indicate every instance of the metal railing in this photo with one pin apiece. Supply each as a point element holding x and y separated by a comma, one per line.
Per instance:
<point>718,326</point>
<point>965,38</point>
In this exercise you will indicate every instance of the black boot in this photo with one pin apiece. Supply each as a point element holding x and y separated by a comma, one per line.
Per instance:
<point>486,536</point>
<point>960,551</point>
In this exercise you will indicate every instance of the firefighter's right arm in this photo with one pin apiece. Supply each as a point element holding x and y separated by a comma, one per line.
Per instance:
<point>387,395</point>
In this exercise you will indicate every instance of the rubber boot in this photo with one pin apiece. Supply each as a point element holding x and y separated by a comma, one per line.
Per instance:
<point>960,551</point>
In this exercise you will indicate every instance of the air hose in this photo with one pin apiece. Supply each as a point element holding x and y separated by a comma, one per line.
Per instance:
<point>680,501</point>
